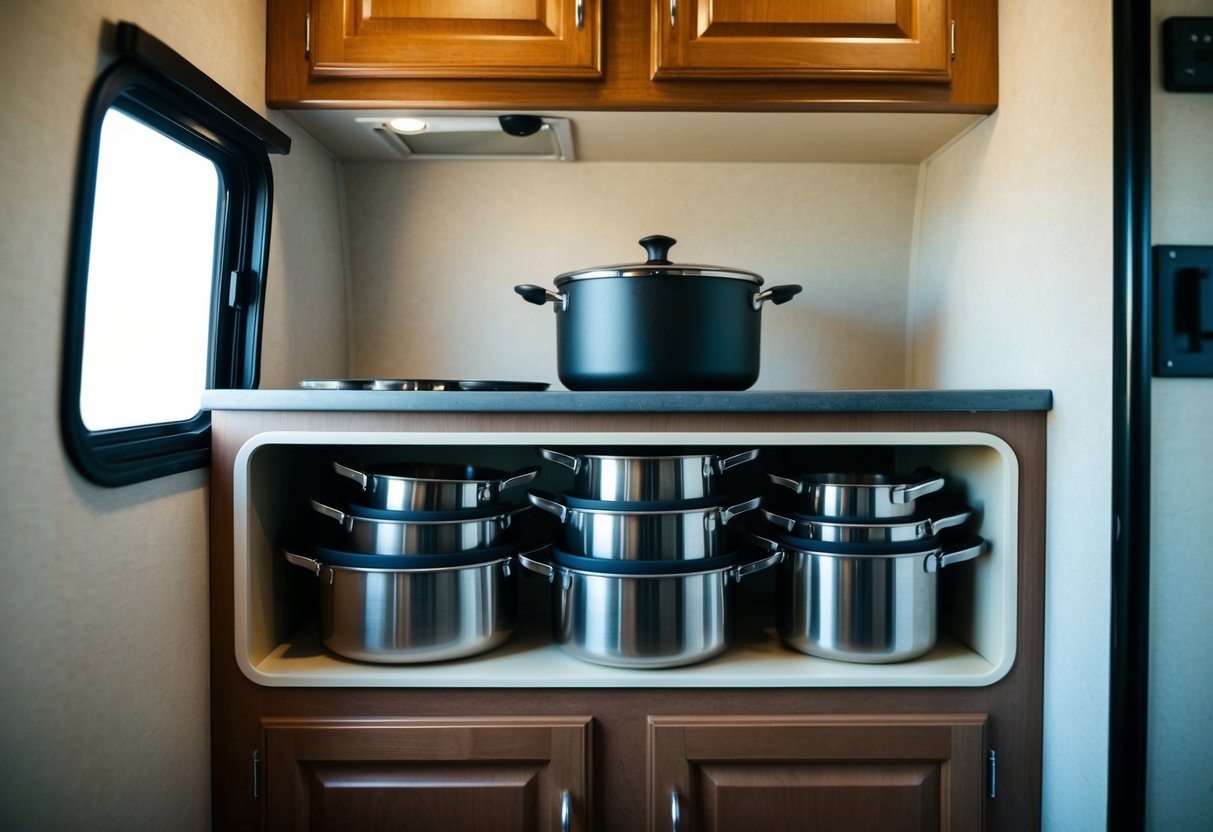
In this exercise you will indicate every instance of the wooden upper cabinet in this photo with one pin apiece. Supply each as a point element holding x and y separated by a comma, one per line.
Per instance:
<point>863,39</point>
<point>455,39</point>
<point>635,55</point>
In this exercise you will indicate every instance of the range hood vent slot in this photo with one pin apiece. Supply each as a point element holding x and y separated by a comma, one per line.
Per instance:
<point>474,137</point>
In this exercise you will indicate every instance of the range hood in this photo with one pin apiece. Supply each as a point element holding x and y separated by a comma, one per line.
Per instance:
<point>652,136</point>
<point>507,136</point>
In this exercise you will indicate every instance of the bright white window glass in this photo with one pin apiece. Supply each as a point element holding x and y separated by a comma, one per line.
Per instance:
<point>151,266</point>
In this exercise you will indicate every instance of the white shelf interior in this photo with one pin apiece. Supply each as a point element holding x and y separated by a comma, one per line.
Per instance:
<point>276,643</point>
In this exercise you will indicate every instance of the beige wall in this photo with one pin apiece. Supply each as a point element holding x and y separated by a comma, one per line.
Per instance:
<point>437,247</point>
<point>1179,762</point>
<point>1013,288</point>
<point>104,708</point>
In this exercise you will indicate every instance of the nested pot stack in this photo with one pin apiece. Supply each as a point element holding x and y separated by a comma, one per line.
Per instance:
<point>858,581</point>
<point>423,567</point>
<point>644,565</point>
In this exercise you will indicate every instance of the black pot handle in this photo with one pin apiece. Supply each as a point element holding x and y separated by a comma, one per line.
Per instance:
<point>777,294</point>
<point>658,246</point>
<point>537,294</point>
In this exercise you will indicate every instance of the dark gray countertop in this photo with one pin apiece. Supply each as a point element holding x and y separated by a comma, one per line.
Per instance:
<point>564,401</point>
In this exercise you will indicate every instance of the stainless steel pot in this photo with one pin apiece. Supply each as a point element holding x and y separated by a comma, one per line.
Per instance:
<point>869,531</point>
<point>859,496</point>
<point>645,478</point>
<point>668,534</point>
<point>405,615</point>
<point>375,533</point>
<point>431,486</point>
<point>656,325</point>
<point>862,604</point>
<point>643,620</point>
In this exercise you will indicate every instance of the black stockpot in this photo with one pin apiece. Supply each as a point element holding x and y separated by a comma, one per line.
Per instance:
<point>657,325</point>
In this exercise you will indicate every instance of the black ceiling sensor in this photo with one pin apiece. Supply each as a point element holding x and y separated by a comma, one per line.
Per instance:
<point>1188,54</point>
<point>517,125</point>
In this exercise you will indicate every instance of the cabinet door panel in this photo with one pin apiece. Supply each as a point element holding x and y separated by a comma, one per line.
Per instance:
<point>861,772</point>
<point>868,39</point>
<point>446,775</point>
<point>455,39</point>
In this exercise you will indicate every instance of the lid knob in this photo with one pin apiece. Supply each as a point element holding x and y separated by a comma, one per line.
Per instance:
<point>658,246</point>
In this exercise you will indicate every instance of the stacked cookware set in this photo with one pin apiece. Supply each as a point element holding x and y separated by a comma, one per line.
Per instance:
<point>858,581</point>
<point>643,571</point>
<point>421,570</point>
<point>642,559</point>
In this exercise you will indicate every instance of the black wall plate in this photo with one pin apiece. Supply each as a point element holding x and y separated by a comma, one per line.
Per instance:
<point>1187,48</point>
<point>1183,311</point>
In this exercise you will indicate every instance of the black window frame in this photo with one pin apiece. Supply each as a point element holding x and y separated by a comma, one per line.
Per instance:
<point>160,88</point>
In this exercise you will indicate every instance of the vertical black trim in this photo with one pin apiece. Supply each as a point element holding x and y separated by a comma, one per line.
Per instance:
<point>1131,364</point>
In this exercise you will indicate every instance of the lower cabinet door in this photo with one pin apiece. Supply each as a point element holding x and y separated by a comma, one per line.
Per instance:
<point>445,775</point>
<point>832,772</point>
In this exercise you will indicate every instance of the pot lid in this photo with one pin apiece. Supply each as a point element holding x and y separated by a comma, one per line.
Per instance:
<point>659,265</point>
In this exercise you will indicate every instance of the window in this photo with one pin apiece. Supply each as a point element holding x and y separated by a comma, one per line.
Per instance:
<point>168,263</point>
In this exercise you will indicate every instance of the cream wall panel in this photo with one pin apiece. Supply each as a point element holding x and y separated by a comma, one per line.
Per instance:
<point>1012,288</point>
<point>437,247</point>
<point>1179,765</point>
<point>104,601</point>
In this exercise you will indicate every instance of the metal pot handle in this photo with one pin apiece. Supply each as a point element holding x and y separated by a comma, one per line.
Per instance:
<point>309,564</point>
<point>549,505</point>
<point>346,520</point>
<point>360,477</point>
<point>787,482</point>
<point>785,523</point>
<point>542,568</point>
<point>727,514</point>
<point>523,476</point>
<point>935,524</point>
<point>728,462</point>
<point>971,548</point>
<point>777,295</point>
<point>539,296</point>
<point>571,462</point>
<point>901,494</point>
<point>739,572</point>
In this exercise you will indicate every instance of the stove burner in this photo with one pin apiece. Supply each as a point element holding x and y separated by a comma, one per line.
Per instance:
<point>415,384</point>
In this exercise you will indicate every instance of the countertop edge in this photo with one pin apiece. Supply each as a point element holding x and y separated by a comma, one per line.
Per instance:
<point>566,401</point>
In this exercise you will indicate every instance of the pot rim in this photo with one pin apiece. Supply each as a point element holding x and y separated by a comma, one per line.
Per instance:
<point>644,270</point>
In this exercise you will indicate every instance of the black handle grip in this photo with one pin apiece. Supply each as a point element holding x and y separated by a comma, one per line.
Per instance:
<point>658,246</point>
<point>532,294</point>
<point>783,294</point>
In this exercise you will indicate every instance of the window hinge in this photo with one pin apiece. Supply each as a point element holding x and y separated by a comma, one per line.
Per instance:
<point>240,288</point>
<point>993,762</point>
<point>256,773</point>
<point>307,37</point>
<point>952,38</point>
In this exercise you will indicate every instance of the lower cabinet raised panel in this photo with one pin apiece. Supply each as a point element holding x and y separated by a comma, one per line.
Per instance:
<point>422,774</point>
<point>854,773</point>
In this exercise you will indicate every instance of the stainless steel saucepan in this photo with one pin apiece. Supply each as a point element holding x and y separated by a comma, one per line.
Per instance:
<point>638,477</point>
<point>668,533</point>
<point>454,606</point>
<point>869,496</point>
<point>867,604</point>
<point>612,615</point>
<point>374,532</point>
<point>423,486</point>
<point>870,531</point>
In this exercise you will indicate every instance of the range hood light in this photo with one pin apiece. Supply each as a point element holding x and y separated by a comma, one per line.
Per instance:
<point>409,126</point>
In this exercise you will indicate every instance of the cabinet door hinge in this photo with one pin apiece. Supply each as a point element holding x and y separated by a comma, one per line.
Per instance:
<point>307,37</point>
<point>952,39</point>
<point>256,775</point>
<point>993,766</point>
